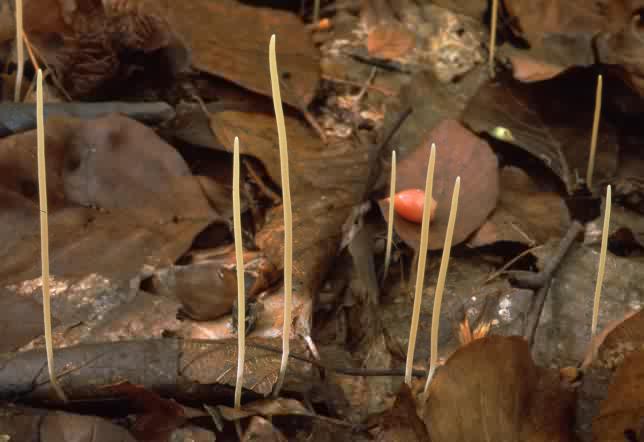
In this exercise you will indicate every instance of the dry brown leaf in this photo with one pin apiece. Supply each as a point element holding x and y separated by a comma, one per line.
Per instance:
<point>222,44</point>
<point>150,207</point>
<point>401,422</point>
<point>207,287</point>
<point>550,119</point>
<point>524,213</point>
<point>492,390</point>
<point>528,70</point>
<point>609,347</point>
<point>458,153</point>
<point>390,41</point>
<point>622,411</point>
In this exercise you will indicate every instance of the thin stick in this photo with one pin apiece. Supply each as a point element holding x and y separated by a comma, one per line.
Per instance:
<point>316,12</point>
<point>288,219</point>
<point>420,270</point>
<point>20,51</point>
<point>440,284</point>
<point>241,298</point>
<point>44,237</point>
<point>602,262</point>
<point>390,225</point>
<point>593,139</point>
<point>495,10</point>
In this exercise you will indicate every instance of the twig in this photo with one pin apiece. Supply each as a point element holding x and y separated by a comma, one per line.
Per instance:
<point>267,191</point>
<point>535,313</point>
<point>508,264</point>
<point>365,87</point>
<point>302,107</point>
<point>386,92</point>
<point>341,370</point>
<point>535,281</point>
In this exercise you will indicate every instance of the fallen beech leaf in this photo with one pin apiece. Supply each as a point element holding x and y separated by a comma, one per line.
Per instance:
<point>621,43</point>
<point>390,41</point>
<point>492,390</point>
<point>150,207</point>
<point>207,288</point>
<point>622,411</point>
<point>616,344</point>
<point>217,33</point>
<point>609,347</point>
<point>550,119</point>
<point>529,70</point>
<point>30,424</point>
<point>458,153</point>
<point>401,422</point>
<point>562,29</point>
<point>524,214</point>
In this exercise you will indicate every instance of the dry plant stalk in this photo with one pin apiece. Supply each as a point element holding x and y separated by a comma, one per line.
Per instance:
<point>593,139</point>
<point>390,225</point>
<point>288,217</point>
<point>493,20</point>
<point>241,296</point>
<point>44,236</point>
<point>20,51</point>
<point>420,270</point>
<point>440,284</point>
<point>602,262</point>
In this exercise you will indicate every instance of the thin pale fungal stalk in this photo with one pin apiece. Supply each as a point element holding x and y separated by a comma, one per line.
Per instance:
<point>390,225</point>
<point>440,283</point>
<point>593,139</point>
<point>602,262</point>
<point>288,218</point>
<point>493,20</point>
<point>316,12</point>
<point>241,296</point>
<point>20,51</point>
<point>420,270</point>
<point>44,236</point>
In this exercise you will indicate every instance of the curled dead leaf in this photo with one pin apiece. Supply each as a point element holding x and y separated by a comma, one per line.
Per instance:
<point>492,390</point>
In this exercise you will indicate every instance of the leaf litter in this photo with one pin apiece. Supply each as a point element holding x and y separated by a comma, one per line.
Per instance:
<point>144,276</point>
